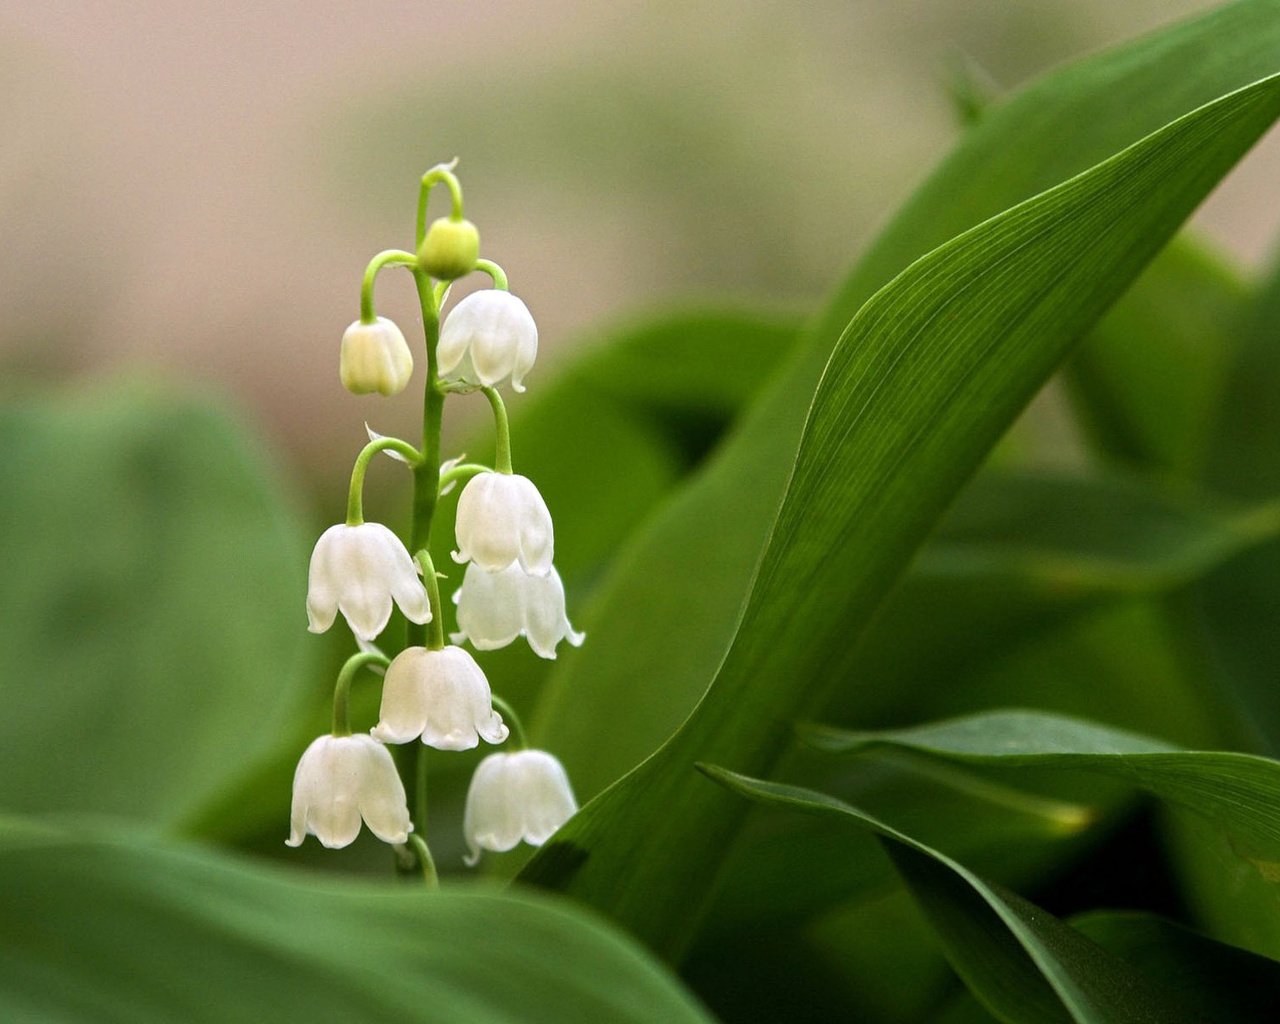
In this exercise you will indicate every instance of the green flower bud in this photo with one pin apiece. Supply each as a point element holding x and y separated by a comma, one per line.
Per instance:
<point>450,249</point>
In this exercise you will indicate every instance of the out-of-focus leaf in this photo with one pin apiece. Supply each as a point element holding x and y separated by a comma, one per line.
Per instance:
<point>704,364</point>
<point>117,930</point>
<point>692,564</point>
<point>1237,605</point>
<point>608,437</point>
<point>1149,380</point>
<point>921,384</point>
<point>1225,984</point>
<point>153,627</point>
<point>785,868</point>
<point>1245,451</point>
<point>1021,553</point>
<point>1239,793</point>
<point>1024,964</point>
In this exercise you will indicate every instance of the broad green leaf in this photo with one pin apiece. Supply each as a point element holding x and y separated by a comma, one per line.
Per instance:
<point>921,384</point>
<point>1149,380</point>
<point>1025,965</point>
<point>644,674</point>
<point>784,869</point>
<point>1239,793</point>
<point>1235,604</point>
<point>1020,554</point>
<point>109,929</point>
<point>1245,453</point>
<point>154,627</point>
<point>1225,984</point>
<point>613,431</point>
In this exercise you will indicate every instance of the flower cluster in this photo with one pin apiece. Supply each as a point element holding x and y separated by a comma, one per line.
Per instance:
<point>431,691</point>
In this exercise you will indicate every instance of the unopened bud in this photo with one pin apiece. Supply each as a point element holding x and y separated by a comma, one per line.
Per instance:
<point>375,357</point>
<point>450,249</point>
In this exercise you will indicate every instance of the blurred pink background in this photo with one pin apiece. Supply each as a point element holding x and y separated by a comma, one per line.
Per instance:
<point>197,186</point>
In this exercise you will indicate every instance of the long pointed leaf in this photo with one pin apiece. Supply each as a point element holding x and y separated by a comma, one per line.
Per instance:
<point>1240,793</point>
<point>644,673</point>
<point>113,929</point>
<point>922,383</point>
<point>1025,965</point>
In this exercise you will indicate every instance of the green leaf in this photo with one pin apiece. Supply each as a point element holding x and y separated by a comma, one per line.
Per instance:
<point>922,383</point>
<point>115,929</point>
<point>1020,554</point>
<point>155,629</point>
<point>644,674</point>
<point>1025,965</point>
<point>1239,793</point>
<point>1224,984</point>
<point>1149,380</point>
<point>1232,605</point>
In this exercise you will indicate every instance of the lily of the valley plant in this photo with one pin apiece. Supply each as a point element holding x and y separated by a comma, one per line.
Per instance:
<point>434,692</point>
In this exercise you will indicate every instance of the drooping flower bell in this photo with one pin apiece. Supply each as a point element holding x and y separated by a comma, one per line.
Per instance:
<point>375,357</point>
<point>496,607</point>
<point>502,520</point>
<point>358,570</point>
<point>341,779</point>
<point>524,795</point>
<point>488,338</point>
<point>442,696</point>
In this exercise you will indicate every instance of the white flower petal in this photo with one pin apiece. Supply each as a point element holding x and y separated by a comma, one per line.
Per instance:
<point>490,610</point>
<point>403,716</point>
<point>545,621</point>
<point>358,570</point>
<point>442,696</point>
<point>524,795</point>
<point>488,338</point>
<point>502,519</point>
<point>381,793</point>
<point>338,780</point>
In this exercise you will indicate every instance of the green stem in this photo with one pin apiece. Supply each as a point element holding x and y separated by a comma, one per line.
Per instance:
<point>342,689</point>
<point>426,474</point>
<point>355,493</point>
<point>509,716</point>
<point>494,271</point>
<point>389,257</point>
<point>502,456</point>
<point>425,859</point>
<point>435,638</point>
<point>439,173</point>
<point>461,472</point>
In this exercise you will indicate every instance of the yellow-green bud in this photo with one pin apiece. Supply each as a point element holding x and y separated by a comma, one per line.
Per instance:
<point>450,249</point>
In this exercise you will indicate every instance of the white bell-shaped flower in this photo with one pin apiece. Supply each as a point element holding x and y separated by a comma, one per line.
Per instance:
<point>358,570</point>
<point>525,795</point>
<point>488,338</point>
<point>341,779</point>
<point>502,519</point>
<point>375,357</point>
<point>442,696</point>
<point>496,607</point>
